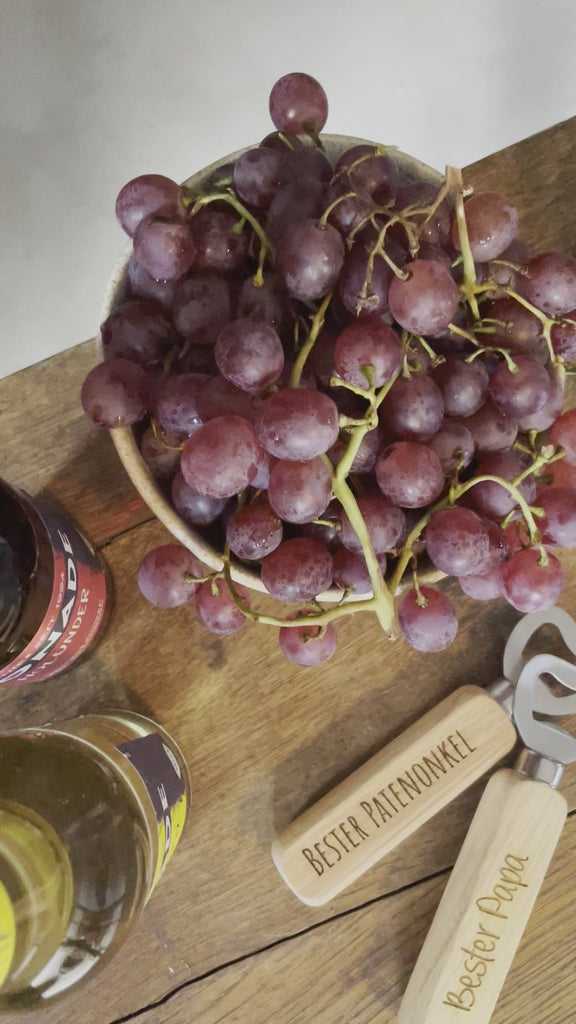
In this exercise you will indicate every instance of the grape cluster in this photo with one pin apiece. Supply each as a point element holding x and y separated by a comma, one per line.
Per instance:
<point>345,375</point>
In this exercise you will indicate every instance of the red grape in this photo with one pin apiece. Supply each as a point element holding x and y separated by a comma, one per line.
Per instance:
<point>530,586</point>
<point>164,246</point>
<point>308,645</point>
<point>520,392</point>
<point>298,104</point>
<point>519,330</point>
<point>361,298</point>
<point>548,413</point>
<point>161,460</point>
<point>453,445</point>
<point>202,307</point>
<point>254,530</point>
<point>493,499</point>
<point>490,430</point>
<point>295,202</point>
<point>116,393</point>
<point>297,424</point>
<point>367,343</point>
<point>559,523</point>
<point>176,407</point>
<point>427,619</point>
<point>492,224</point>
<point>144,286</point>
<point>365,458</point>
<point>550,283</point>
<point>221,457</point>
<point>464,386</point>
<point>366,170</point>
<point>258,175</point>
<point>249,354</point>
<point>309,258</point>
<point>195,508</point>
<point>162,575</point>
<point>413,410</point>
<point>410,474</point>
<point>299,492</point>
<point>427,300</point>
<point>267,302</point>
<point>219,397</point>
<point>457,542</point>
<point>217,609</point>
<point>220,246</point>
<point>384,521</point>
<point>351,571</point>
<point>145,195</point>
<point>298,569</point>
<point>484,586</point>
<point>137,330</point>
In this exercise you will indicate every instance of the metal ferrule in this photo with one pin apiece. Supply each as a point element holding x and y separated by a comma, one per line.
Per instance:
<point>539,767</point>
<point>503,692</point>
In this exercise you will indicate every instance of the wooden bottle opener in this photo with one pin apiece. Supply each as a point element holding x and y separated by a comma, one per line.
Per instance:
<point>380,804</point>
<point>496,879</point>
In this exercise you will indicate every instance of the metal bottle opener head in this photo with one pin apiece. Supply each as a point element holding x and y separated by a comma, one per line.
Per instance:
<point>544,700</point>
<point>549,747</point>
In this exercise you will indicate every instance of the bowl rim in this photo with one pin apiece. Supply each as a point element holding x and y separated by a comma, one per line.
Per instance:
<point>124,439</point>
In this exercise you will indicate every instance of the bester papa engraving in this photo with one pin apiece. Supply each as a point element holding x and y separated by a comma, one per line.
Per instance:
<point>478,952</point>
<point>397,794</point>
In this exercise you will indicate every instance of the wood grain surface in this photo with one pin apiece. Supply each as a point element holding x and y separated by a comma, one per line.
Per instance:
<point>223,939</point>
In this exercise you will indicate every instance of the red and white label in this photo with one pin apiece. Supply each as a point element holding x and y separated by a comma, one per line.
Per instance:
<point>75,610</point>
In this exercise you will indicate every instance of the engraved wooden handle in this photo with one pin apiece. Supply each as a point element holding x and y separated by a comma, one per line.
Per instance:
<point>486,904</point>
<point>392,794</point>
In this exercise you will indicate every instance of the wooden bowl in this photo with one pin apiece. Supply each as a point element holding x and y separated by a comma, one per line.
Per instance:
<point>125,441</point>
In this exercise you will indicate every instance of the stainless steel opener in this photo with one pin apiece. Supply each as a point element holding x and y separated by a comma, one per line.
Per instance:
<point>496,879</point>
<point>373,810</point>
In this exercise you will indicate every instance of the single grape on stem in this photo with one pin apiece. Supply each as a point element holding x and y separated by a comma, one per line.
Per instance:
<point>427,619</point>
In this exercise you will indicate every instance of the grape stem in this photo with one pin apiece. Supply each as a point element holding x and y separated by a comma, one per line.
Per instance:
<point>322,618</point>
<point>316,327</point>
<point>468,286</point>
<point>381,602</point>
<point>546,321</point>
<point>265,244</point>
<point>339,199</point>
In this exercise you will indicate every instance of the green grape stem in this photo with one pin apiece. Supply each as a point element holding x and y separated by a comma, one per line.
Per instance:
<point>468,286</point>
<point>316,327</point>
<point>266,247</point>
<point>546,321</point>
<point>321,619</point>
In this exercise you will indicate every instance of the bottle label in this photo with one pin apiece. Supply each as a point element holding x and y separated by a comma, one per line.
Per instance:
<point>162,776</point>
<point>7,934</point>
<point>76,607</point>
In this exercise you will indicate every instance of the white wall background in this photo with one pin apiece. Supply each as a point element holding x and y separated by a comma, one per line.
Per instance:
<point>94,92</point>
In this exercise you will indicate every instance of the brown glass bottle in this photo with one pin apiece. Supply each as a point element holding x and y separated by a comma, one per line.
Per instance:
<point>52,588</point>
<point>90,812</point>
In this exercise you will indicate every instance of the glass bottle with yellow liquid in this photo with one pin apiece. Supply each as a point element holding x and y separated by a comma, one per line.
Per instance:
<point>91,811</point>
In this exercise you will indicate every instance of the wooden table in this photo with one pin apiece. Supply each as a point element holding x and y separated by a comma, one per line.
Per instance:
<point>223,939</point>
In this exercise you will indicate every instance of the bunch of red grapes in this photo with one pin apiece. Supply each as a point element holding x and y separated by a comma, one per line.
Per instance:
<point>347,376</point>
